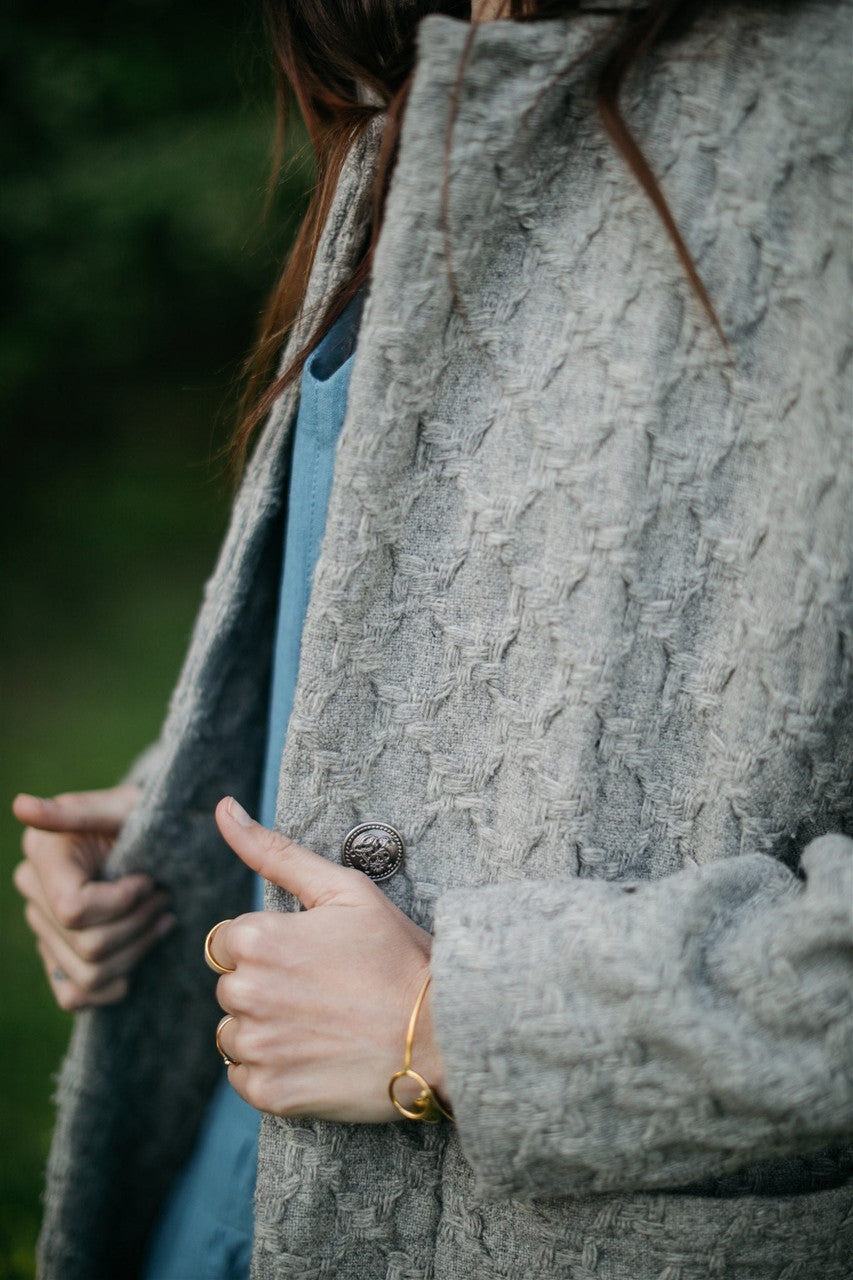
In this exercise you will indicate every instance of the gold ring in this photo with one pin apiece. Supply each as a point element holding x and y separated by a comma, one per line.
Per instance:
<point>210,958</point>
<point>223,1022</point>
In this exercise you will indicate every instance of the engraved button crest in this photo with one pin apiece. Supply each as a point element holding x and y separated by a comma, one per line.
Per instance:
<point>374,848</point>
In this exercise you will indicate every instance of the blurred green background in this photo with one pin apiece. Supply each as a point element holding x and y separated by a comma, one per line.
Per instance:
<point>136,145</point>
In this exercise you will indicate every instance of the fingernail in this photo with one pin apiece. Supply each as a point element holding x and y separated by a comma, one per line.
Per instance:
<point>165,925</point>
<point>238,813</point>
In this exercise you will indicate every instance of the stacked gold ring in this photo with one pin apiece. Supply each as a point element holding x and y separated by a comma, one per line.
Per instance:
<point>213,963</point>
<point>223,1023</point>
<point>210,958</point>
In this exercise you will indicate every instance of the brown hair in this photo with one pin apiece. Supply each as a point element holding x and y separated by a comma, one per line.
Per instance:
<point>342,62</point>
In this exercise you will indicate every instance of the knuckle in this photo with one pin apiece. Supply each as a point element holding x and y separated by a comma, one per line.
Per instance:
<point>248,1043</point>
<point>68,998</point>
<point>110,994</point>
<point>266,924</point>
<point>68,910</point>
<point>246,940</point>
<point>235,992</point>
<point>260,1092</point>
<point>273,846</point>
<point>357,883</point>
<point>90,946</point>
<point>22,878</point>
<point>32,841</point>
<point>90,979</point>
<point>275,841</point>
<point>240,1044</point>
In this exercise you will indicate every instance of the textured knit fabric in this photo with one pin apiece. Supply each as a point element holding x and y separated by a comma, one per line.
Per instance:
<point>207,1225</point>
<point>580,628</point>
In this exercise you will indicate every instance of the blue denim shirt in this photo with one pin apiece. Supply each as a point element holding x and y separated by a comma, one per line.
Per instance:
<point>205,1230</point>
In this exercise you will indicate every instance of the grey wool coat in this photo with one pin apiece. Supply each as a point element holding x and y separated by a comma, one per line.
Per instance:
<point>581,629</point>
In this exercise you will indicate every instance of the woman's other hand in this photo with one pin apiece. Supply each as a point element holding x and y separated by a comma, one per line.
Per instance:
<point>90,932</point>
<point>320,998</point>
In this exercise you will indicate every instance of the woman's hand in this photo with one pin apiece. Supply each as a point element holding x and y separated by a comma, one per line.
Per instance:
<point>320,998</point>
<point>90,932</point>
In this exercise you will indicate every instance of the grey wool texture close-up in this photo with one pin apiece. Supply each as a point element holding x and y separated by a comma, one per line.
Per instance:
<point>581,629</point>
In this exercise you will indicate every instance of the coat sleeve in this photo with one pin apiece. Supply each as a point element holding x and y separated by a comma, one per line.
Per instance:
<point>606,1036</point>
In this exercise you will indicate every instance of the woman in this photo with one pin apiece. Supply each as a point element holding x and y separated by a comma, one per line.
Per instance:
<point>579,632</point>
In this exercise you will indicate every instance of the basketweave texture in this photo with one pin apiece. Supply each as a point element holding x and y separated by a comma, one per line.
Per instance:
<point>581,630</point>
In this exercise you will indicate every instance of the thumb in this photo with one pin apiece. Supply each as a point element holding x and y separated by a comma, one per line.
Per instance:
<point>279,859</point>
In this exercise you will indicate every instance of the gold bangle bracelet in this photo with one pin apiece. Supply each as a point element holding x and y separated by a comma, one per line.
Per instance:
<point>426,1105</point>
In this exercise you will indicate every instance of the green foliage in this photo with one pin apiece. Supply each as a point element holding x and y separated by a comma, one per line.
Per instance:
<point>131,225</point>
<point>136,256</point>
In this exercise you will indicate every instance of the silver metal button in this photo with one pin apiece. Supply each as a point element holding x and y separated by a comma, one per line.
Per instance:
<point>374,848</point>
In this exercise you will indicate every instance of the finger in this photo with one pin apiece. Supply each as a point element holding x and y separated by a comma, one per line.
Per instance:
<point>95,942</point>
<point>277,858</point>
<point>66,863</point>
<point>81,855</point>
<point>73,897</point>
<point>101,942</point>
<point>92,978</point>
<point>87,976</point>
<point>101,811</point>
<point>69,996</point>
